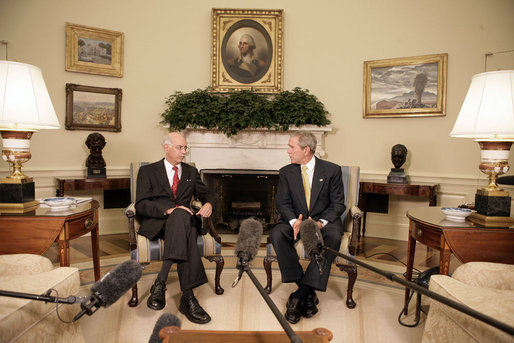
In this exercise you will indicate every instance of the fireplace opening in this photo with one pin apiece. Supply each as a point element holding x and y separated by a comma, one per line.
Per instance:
<point>241,194</point>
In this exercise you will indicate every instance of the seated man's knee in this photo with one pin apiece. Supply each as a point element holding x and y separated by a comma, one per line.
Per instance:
<point>179,214</point>
<point>332,238</point>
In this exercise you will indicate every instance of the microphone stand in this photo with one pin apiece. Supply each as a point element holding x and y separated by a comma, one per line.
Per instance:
<point>41,297</point>
<point>245,267</point>
<point>459,307</point>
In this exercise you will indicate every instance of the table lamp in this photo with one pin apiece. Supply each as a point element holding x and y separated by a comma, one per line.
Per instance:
<point>25,108</point>
<point>487,115</point>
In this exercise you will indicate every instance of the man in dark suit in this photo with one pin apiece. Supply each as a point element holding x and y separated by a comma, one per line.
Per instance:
<point>309,188</point>
<point>163,197</point>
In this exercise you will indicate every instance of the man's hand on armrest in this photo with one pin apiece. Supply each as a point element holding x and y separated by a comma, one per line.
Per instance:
<point>205,211</point>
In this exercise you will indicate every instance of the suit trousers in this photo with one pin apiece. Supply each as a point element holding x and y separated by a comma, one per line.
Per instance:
<point>180,246</point>
<point>288,261</point>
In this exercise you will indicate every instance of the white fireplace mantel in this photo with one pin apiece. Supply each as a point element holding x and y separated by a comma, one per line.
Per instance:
<point>250,149</point>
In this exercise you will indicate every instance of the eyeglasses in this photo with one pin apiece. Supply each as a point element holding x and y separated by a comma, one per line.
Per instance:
<point>181,147</point>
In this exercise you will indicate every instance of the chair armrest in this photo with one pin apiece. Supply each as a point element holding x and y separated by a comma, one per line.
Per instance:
<point>130,212</point>
<point>212,230</point>
<point>356,215</point>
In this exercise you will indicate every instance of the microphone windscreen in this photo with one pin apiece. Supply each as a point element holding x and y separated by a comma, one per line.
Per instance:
<point>117,282</point>
<point>166,319</point>
<point>310,235</point>
<point>249,238</point>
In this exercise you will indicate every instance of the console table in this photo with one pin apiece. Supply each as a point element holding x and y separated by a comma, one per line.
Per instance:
<point>173,334</point>
<point>92,183</point>
<point>467,240</point>
<point>35,231</point>
<point>370,187</point>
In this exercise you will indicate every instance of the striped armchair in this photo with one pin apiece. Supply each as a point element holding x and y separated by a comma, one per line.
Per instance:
<point>352,222</point>
<point>144,250</point>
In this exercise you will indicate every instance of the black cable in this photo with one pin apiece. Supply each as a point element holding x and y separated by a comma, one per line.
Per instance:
<point>49,292</point>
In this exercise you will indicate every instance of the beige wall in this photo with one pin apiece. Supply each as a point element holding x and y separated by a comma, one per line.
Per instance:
<point>167,48</point>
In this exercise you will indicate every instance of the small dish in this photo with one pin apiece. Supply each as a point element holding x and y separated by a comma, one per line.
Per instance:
<point>456,214</point>
<point>59,203</point>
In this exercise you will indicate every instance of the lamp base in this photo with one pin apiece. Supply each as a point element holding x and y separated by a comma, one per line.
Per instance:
<point>493,221</point>
<point>23,207</point>
<point>496,206</point>
<point>16,193</point>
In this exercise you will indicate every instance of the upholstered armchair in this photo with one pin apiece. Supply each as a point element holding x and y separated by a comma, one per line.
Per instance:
<point>144,250</point>
<point>485,287</point>
<point>26,320</point>
<point>352,222</point>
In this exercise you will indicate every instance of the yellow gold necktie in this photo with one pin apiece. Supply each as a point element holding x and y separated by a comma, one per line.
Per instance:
<point>306,186</point>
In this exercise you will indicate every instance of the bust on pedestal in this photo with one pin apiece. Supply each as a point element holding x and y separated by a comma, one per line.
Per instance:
<point>95,162</point>
<point>398,157</point>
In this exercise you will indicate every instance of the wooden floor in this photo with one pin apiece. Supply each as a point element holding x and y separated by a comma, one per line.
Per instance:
<point>372,249</point>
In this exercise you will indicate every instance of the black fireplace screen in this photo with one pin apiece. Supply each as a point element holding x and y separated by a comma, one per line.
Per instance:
<point>242,194</point>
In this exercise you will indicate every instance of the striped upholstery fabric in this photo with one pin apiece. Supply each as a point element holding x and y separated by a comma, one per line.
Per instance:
<point>152,250</point>
<point>351,182</point>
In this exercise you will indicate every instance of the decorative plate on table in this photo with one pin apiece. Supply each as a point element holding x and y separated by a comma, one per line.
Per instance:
<point>59,203</point>
<point>456,214</point>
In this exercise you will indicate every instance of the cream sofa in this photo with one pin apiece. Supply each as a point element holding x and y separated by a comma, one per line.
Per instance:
<point>25,320</point>
<point>485,287</point>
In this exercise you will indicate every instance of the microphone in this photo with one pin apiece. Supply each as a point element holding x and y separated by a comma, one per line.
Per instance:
<point>312,242</point>
<point>111,287</point>
<point>247,245</point>
<point>166,319</point>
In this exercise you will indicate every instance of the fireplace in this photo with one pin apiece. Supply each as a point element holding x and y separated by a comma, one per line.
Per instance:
<point>242,194</point>
<point>242,170</point>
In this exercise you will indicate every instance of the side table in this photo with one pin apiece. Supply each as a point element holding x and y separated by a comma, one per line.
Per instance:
<point>83,184</point>
<point>419,190</point>
<point>467,240</point>
<point>35,231</point>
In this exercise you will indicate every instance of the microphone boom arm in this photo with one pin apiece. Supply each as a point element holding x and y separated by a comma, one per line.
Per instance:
<point>285,325</point>
<point>41,297</point>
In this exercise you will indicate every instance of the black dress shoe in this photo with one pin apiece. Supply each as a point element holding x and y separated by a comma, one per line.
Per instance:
<point>293,309</point>
<point>157,298</point>
<point>190,307</point>
<point>309,305</point>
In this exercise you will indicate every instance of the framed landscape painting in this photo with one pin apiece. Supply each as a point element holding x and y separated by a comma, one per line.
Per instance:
<point>246,50</point>
<point>405,87</point>
<point>94,51</point>
<point>93,108</point>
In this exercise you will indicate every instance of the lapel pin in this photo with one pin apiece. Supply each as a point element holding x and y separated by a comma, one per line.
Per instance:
<point>321,180</point>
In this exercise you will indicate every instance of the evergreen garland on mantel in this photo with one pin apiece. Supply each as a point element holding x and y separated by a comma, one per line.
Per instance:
<point>245,109</point>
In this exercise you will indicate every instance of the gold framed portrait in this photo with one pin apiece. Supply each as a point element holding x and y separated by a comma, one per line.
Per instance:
<point>94,51</point>
<point>246,50</point>
<point>93,108</point>
<point>405,87</point>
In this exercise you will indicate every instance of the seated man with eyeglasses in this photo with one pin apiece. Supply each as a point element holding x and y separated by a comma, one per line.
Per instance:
<point>163,197</point>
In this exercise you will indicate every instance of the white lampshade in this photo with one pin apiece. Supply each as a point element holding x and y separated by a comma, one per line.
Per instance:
<point>24,101</point>
<point>488,110</point>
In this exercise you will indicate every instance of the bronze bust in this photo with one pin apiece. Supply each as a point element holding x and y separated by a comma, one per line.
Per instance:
<point>398,157</point>
<point>95,162</point>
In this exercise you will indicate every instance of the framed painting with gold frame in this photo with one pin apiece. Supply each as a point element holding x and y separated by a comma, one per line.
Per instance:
<point>405,87</point>
<point>246,50</point>
<point>93,108</point>
<point>94,51</point>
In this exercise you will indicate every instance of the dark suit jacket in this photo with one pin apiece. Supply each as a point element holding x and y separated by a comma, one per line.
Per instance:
<point>154,195</point>
<point>327,195</point>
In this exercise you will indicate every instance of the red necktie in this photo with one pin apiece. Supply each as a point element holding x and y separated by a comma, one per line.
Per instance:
<point>176,180</point>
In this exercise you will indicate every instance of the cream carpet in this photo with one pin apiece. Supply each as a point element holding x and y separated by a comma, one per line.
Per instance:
<point>243,308</point>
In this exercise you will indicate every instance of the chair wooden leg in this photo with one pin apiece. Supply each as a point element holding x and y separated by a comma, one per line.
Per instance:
<point>220,263</point>
<point>351,270</point>
<point>134,300</point>
<point>268,260</point>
